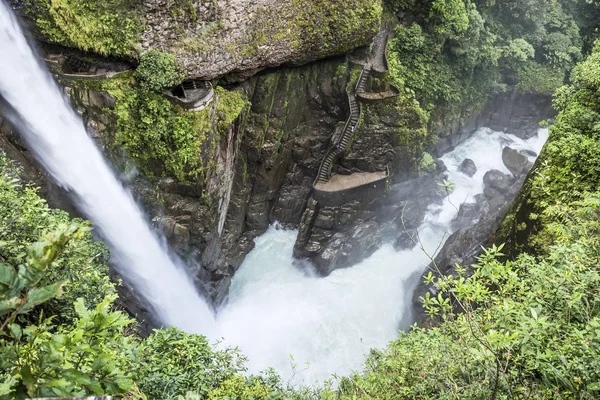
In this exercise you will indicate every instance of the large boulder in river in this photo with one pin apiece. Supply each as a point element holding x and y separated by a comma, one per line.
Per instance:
<point>497,180</point>
<point>345,250</point>
<point>467,167</point>
<point>518,164</point>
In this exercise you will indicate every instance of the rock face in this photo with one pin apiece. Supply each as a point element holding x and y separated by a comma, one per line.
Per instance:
<point>512,112</point>
<point>213,38</point>
<point>467,167</point>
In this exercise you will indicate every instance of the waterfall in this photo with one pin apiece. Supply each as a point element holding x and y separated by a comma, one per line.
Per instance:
<point>57,137</point>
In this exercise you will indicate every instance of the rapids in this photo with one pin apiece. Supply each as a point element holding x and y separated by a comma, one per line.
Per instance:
<point>308,328</point>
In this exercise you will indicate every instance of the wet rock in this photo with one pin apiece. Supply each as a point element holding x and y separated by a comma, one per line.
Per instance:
<point>173,186</point>
<point>440,166</point>
<point>467,167</point>
<point>516,162</point>
<point>528,153</point>
<point>345,250</point>
<point>407,240</point>
<point>491,193</point>
<point>461,248</point>
<point>468,210</point>
<point>497,180</point>
<point>177,234</point>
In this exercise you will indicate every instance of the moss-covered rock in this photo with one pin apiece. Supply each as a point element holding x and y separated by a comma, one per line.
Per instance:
<point>106,27</point>
<point>210,38</point>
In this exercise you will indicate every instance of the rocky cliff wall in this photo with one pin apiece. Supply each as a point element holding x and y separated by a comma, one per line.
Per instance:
<point>210,38</point>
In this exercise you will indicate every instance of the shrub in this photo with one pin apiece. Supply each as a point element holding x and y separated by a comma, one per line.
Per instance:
<point>24,217</point>
<point>173,363</point>
<point>158,70</point>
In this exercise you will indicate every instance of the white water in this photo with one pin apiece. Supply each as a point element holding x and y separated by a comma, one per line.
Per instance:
<point>59,140</point>
<point>329,324</point>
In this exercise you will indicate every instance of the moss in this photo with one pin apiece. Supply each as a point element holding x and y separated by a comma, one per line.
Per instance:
<point>324,28</point>
<point>163,138</point>
<point>427,163</point>
<point>158,70</point>
<point>106,27</point>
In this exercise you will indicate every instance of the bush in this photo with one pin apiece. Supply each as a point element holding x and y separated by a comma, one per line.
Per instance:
<point>158,70</point>
<point>24,217</point>
<point>89,356</point>
<point>527,328</point>
<point>173,363</point>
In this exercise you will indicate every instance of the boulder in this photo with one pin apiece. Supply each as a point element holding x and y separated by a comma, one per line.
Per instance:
<point>516,162</point>
<point>497,180</point>
<point>344,250</point>
<point>467,167</point>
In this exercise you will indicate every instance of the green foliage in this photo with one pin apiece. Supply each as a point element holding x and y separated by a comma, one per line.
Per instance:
<point>453,53</point>
<point>173,363</point>
<point>90,357</point>
<point>526,328</point>
<point>106,27</point>
<point>164,138</point>
<point>50,360</point>
<point>427,163</point>
<point>569,164</point>
<point>538,78</point>
<point>24,217</point>
<point>158,70</point>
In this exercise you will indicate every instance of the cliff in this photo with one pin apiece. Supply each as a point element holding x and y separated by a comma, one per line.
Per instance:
<point>209,38</point>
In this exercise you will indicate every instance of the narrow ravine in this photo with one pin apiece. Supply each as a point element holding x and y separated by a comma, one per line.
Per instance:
<point>308,328</point>
<point>279,314</point>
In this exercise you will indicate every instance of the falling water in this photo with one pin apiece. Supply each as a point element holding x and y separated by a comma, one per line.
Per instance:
<point>59,140</point>
<point>308,328</point>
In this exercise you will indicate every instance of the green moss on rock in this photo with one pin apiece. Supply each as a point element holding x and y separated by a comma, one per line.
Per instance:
<point>163,138</point>
<point>106,27</point>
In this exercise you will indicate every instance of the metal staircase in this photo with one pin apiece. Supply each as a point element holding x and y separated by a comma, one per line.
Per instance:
<point>344,140</point>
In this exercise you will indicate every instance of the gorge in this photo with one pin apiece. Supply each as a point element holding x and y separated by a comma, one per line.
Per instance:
<point>299,203</point>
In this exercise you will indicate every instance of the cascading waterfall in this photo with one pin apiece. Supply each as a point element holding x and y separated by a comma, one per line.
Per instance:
<point>275,310</point>
<point>59,140</point>
<point>329,324</point>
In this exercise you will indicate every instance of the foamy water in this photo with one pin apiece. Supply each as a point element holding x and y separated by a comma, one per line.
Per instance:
<point>308,328</point>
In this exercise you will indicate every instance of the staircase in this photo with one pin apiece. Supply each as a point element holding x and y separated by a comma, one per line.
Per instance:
<point>378,62</point>
<point>344,140</point>
<point>361,85</point>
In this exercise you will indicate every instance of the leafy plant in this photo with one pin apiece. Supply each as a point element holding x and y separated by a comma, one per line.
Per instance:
<point>158,70</point>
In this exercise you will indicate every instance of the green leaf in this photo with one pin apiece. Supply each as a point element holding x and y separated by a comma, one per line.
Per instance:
<point>41,295</point>
<point>6,387</point>
<point>9,305</point>
<point>16,331</point>
<point>78,377</point>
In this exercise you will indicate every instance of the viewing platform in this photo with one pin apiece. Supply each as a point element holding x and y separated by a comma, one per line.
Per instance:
<point>341,189</point>
<point>373,97</point>
<point>76,68</point>
<point>192,95</point>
